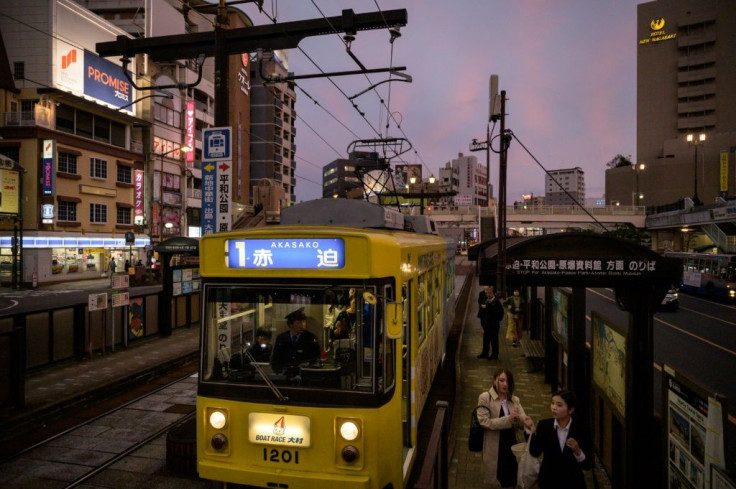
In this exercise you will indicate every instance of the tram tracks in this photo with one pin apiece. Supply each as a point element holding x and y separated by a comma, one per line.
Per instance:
<point>80,454</point>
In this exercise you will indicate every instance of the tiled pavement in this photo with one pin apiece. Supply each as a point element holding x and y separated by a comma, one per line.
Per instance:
<point>466,467</point>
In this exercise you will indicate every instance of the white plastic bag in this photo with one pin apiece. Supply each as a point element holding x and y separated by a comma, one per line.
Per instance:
<point>528,466</point>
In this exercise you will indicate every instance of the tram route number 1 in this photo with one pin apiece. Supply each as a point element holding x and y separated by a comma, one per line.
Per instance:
<point>280,456</point>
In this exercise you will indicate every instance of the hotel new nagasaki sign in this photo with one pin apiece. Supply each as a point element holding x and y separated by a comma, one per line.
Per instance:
<point>658,32</point>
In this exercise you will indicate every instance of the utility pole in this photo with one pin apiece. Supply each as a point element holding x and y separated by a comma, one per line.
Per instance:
<point>501,258</point>
<point>222,67</point>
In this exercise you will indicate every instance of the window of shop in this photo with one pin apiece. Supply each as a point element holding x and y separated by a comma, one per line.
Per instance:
<point>75,260</point>
<point>117,134</point>
<point>65,118</point>
<point>88,125</point>
<point>123,215</point>
<point>102,129</point>
<point>97,168</point>
<point>85,125</point>
<point>125,174</point>
<point>67,211</point>
<point>67,163</point>
<point>98,213</point>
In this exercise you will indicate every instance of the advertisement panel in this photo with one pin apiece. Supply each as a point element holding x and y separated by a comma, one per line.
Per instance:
<point>694,434</point>
<point>189,132</point>
<point>404,174</point>
<point>47,176</point>
<point>86,74</point>
<point>138,198</point>
<point>9,191</point>
<point>76,67</point>
<point>609,362</point>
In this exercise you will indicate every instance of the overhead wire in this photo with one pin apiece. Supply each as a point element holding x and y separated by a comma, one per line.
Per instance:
<point>549,174</point>
<point>390,115</point>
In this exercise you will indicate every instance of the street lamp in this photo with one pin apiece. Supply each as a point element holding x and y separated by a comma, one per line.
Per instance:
<point>636,197</point>
<point>692,141</point>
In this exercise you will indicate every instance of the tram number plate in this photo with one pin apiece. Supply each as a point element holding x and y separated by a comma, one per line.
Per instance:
<point>281,456</point>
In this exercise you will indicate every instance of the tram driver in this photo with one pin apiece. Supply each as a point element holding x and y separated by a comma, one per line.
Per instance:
<point>296,345</point>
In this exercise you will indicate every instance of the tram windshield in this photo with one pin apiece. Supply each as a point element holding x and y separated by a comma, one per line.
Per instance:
<point>320,336</point>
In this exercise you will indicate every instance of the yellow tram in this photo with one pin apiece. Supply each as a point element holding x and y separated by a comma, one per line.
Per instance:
<point>320,341</point>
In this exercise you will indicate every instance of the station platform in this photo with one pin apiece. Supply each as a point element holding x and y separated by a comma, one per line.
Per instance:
<point>51,387</point>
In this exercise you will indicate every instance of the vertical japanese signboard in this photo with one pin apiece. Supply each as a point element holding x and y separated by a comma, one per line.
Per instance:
<point>224,196</point>
<point>209,176</point>
<point>217,180</point>
<point>47,178</point>
<point>189,132</point>
<point>138,198</point>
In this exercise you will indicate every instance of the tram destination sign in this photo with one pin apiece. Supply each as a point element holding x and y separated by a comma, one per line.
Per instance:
<point>280,253</point>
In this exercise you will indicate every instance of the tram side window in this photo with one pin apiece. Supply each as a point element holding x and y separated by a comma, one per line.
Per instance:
<point>421,305</point>
<point>388,344</point>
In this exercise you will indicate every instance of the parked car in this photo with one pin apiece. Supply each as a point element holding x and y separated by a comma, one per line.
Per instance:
<point>671,301</point>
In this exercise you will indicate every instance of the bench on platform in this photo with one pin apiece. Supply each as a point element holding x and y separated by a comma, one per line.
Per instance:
<point>534,352</point>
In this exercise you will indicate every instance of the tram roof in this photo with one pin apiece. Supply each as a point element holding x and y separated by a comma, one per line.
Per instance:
<point>354,213</point>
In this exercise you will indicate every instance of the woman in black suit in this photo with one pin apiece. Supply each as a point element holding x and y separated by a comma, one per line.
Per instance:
<point>566,444</point>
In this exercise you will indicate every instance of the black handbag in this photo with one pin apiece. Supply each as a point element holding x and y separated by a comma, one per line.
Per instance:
<point>475,437</point>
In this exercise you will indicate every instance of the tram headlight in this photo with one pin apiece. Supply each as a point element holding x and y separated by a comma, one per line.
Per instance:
<point>218,420</point>
<point>349,430</point>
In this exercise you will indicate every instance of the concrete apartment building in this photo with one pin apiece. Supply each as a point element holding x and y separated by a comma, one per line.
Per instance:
<point>564,185</point>
<point>273,118</point>
<point>685,79</point>
<point>468,178</point>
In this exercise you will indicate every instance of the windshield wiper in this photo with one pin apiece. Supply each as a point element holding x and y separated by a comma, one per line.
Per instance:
<point>264,376</point>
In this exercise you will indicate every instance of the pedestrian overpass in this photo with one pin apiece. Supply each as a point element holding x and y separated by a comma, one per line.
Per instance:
<point>537,220</point>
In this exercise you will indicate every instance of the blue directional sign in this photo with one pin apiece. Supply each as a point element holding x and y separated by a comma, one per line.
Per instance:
<point>217,143</point>
<point>209,192</point>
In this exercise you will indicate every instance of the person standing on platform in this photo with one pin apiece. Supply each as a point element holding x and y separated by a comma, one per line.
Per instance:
<point>502,420</point>
<point>566,444</point>
<point>490,313</point>
<point>515,307</point>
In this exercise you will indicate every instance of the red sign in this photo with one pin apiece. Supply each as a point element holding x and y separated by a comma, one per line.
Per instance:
<point>189,135</point>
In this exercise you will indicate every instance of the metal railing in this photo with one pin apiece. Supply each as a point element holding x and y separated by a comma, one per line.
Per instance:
<point>435,466</point>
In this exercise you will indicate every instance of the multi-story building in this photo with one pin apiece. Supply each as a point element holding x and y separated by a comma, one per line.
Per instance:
<point>340,180</point>
<point>562,186</point>
<point>112,153</point>
<point>70,125</point>
<point>174,177</point>
<point>273,118</point>
<point>685,80</point>
<point>472,180</point>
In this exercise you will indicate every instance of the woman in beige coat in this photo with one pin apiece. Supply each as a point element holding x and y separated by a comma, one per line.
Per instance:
<point>503,419</point>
